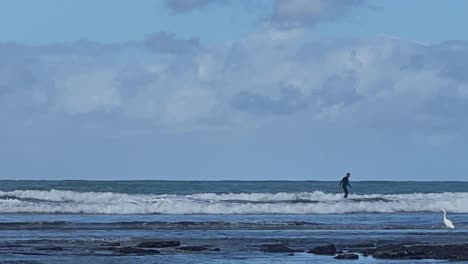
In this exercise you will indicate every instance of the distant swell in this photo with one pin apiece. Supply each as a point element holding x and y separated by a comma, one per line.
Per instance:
<point>317,202</point>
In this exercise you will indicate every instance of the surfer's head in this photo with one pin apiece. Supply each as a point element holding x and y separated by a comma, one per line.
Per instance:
<point>348,174</point>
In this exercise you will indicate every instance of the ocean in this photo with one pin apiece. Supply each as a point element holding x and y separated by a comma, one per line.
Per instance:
<point>80,221</point>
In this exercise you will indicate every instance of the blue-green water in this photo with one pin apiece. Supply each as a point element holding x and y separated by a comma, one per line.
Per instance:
<point>235,216</point>
<point>191,187</point>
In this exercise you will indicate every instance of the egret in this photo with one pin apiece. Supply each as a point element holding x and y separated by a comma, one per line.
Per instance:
<point>447,222</point>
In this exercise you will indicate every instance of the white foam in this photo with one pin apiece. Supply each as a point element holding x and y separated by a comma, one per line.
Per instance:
<point>54,201</point>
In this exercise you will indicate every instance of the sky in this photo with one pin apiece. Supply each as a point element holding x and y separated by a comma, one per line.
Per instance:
<point>233,90</point>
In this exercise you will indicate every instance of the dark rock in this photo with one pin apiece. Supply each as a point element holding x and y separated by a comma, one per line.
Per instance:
<point>187,223</point>
<point>291,254</point>
<point>364,251</point>
<point>215,249</point>
<point>324,250</point>
<point>105,249</point>
<point>391,252</point>
<point>448,252</point>
<point>50,248</point>
<point>158,244</point>
<point>276,248</point>
<point>110,244</point>
<point>134,250</point>
<point>367,251</point>
<point>347,256</point>
<point>193,248</point>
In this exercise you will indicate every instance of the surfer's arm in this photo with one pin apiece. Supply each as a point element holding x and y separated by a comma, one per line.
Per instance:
<point>350,185</point>
<point>341,183</point>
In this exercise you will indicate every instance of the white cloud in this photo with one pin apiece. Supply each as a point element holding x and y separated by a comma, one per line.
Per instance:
<point>163,42</point>
<point>88,92</point>
<point>305,13</point>
<point>186,5</point>
<point>189,105</point>
<point>376,83</point>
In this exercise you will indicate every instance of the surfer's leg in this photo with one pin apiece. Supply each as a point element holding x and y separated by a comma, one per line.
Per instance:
<point>345,189</point>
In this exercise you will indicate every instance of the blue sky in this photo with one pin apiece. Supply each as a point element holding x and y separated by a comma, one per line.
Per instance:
<point>223,89</point>
<point>43,22</point>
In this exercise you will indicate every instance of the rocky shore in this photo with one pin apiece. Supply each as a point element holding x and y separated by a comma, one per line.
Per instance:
<point>376,249</point>
<point>457,252</point>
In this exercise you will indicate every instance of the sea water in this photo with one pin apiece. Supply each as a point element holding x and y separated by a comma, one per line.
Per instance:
<point>235,216</point>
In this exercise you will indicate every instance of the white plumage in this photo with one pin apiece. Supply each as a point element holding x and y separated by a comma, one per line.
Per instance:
<point>447,222</point>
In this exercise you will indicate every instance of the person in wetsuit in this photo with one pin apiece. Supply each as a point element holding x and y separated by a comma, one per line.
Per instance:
<point>345,183</point>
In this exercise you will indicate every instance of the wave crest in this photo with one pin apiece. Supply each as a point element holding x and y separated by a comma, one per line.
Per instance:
<point>317,202</point>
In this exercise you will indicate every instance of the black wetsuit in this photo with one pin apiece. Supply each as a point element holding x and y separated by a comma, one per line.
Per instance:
<point>344,184</point>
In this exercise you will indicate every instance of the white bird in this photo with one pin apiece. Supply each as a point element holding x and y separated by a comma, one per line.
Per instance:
<point>447,222</point>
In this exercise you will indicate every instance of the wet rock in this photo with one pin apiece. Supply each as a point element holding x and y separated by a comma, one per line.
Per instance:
<point>105,249</point>
<point>391,252</point>
<point>134,250</point>
<point>276,248</point>
<point>347,256</point>
<point>448,252</point>
<point>158,244</point>
<point>193,248</point>
<point>324,250</point>
<point>110,244</point>
<point>215,249</point>
<point>50,248</point>
<point>364,251</point>
<point>367,251</point>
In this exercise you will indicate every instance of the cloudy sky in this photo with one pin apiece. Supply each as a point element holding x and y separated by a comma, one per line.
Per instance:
<point>227,89</point>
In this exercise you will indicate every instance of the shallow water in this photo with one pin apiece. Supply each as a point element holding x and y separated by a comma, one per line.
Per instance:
<point>239,237</point>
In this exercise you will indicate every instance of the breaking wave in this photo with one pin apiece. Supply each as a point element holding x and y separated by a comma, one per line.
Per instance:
<point>317,202</point>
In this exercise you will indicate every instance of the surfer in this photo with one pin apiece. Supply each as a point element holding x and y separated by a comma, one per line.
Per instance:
<point>345,183</point>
